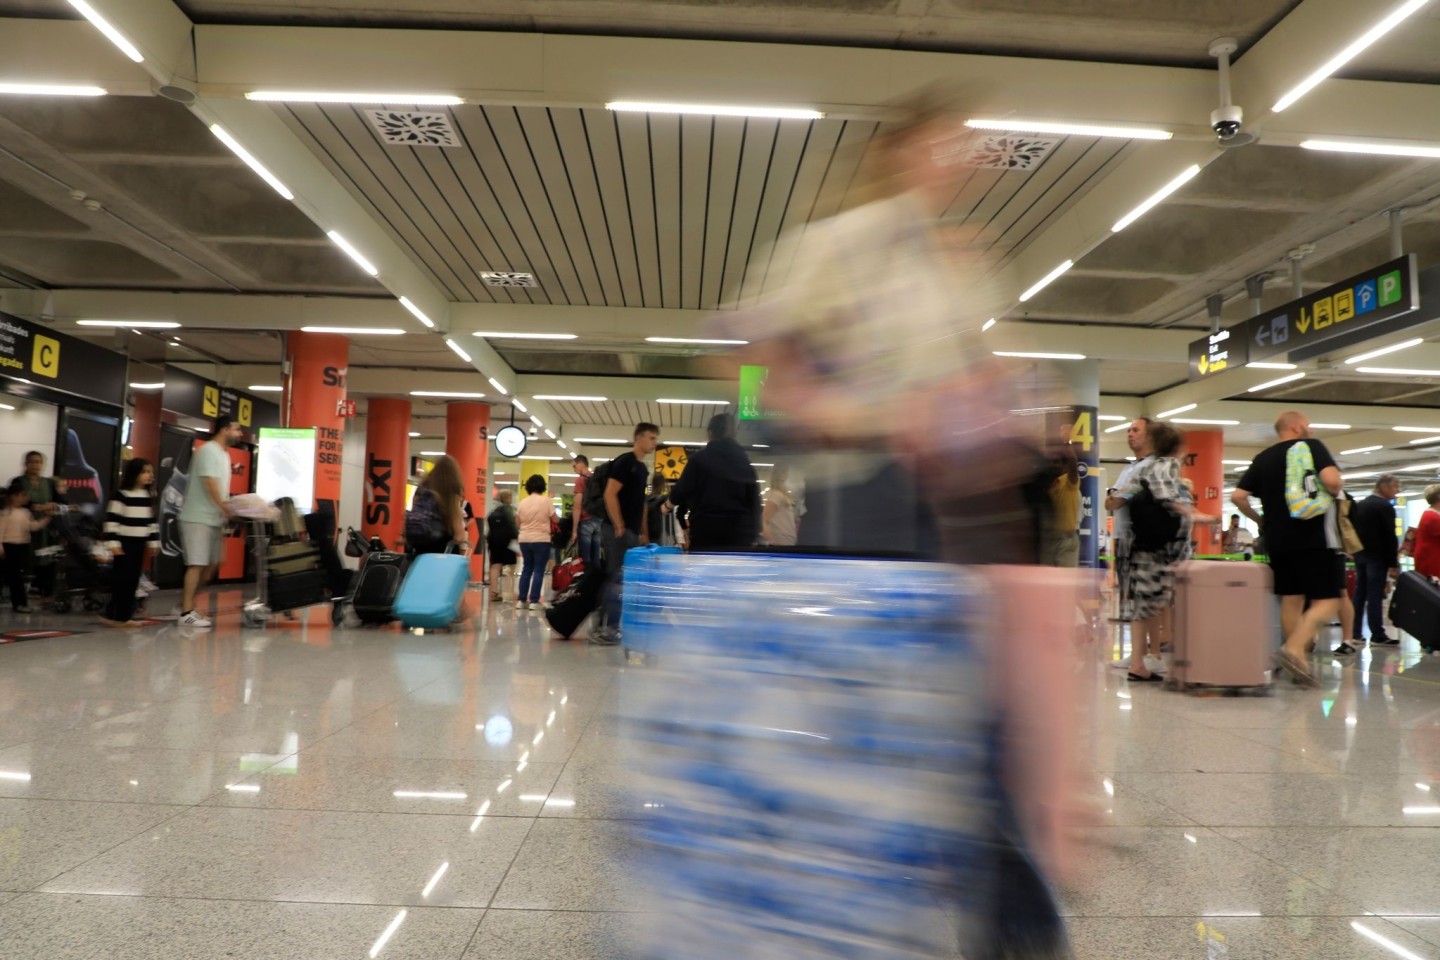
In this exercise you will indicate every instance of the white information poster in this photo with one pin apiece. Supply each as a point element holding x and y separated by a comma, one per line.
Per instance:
<point>285,465</point>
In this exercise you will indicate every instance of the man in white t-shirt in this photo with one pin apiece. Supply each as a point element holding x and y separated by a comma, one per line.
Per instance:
<point>204,515</point>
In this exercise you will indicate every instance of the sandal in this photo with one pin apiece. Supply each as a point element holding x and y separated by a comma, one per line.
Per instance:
<point>1153,677</point>
<point>1287,661</point>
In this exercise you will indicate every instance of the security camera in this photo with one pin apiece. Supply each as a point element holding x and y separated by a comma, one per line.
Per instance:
<point>534,433</point>
<point>1226,122</point>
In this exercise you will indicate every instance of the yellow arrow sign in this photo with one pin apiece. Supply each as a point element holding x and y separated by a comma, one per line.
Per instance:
<point>1204,364</point>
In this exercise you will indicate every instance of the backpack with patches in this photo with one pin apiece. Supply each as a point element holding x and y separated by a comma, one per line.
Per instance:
<point>1305,497</point>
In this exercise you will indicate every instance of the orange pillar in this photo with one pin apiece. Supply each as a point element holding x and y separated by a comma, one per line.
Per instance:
<point>467,439</point>
<point>145,425</point>
<point>387,458</point>
<point>314,388</point>
<point>1203,468</point>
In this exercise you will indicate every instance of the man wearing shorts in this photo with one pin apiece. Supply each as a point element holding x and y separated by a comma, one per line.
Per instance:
<point>203,516</point>
<point>1304,554</point>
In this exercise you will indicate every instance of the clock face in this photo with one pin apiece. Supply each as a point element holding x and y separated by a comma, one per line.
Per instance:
<point>511,441</point>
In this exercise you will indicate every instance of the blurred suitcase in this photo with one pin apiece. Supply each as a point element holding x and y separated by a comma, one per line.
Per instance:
<point>1226,624</point>
<point>297,556</point>
<point>1415,608</point>
<point>432,591</point>
<point>642,568</point>
<point>377,586</point>
<point>571,606</point>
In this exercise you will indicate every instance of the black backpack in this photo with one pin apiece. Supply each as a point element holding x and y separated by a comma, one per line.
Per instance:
<point>1152,525</point>
<point>594,503</point>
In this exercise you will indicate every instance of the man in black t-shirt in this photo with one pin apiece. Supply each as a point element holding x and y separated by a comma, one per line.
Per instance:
<point>1304,554</point>
<point>626,523</point>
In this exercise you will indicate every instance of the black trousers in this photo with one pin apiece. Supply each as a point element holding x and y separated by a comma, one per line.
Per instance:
<point>17,565</point>
<point>709,533</point>
<point>125,578</point>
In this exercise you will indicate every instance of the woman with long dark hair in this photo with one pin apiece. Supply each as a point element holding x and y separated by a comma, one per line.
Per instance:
<point>437,514</point>
<point>131,531</point>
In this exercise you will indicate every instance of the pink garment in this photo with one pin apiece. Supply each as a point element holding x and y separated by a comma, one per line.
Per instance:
<point>534,515</point>
<point>15,525</point>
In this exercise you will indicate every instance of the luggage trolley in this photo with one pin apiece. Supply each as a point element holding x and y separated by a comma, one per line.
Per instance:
<point>289,573</point>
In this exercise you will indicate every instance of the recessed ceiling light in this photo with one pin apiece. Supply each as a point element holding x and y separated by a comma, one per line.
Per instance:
<point>1398,371</point>
<point>498,335</point>
<point>1236,463</point>
<point>1112,418</point>
<point>1186,175</point>
<point>497,385</point>
<point>1330,426</point>
<point>148,386</point>
<point>1275,383</point>
<point>432,453</point>
<point>357,331</point>
<point>6,406</point>
<point>1416,429</point>
<point>603,441</point>
<point>1208,423</point>
<point>1018,125</point>
<point>1046,280</point>
<point>104,26</point>
<point>264,388</point>
<point>697,403</point>
<point>1264,365</point>
<point>450,394</point>
<point>1118,427</point>
<point>987,324</point>
<point>536,420</point>
<point>52,90</point>
<point>414,433</point>
<point>354,254</point>
<point>1375,148</point>
<point>519,406</point>
<point>1419,466</point>
<point>1357,450</point>
<point>697,340</point>
<point>224,137</point>
<point>1393,348</point>
<point>459,351</point>
<point>415,311</point>
<point>1359,45</point>
<point>714,110</point>
<point>1425,440</point>
<point>382,99</point>
<point>130,324</point>
<point>550,434</point>
<point>1171,413</point>
<point>1026,355</point>
<point>573,399</point>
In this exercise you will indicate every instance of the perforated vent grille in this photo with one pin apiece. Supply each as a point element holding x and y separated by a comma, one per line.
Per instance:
<point>412,129</point>
<point>507,278</point>
<point>1008,152</point>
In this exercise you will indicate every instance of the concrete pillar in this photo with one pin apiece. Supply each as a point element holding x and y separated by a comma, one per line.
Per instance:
<point>1083,379</point>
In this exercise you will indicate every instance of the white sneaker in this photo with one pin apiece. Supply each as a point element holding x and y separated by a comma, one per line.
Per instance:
<point>1155,664</point>
<point>193,619</point>
<point>147,586</point>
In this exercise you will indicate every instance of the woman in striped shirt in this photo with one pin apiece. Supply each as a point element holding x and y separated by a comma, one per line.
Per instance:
<point>130,532</point>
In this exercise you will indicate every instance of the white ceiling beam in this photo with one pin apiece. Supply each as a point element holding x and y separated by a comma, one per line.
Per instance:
<point>67,52</point>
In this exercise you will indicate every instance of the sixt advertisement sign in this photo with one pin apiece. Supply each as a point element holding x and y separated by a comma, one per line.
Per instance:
<point>1339,315</point>
<point>39,357</point>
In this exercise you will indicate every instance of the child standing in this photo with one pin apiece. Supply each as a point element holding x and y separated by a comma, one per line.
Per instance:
<point>17,523</point>
<point>131,532</point>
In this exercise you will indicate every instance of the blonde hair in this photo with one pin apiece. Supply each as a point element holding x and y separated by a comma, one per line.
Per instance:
<point>1432,493</point>
<point>880,175</point>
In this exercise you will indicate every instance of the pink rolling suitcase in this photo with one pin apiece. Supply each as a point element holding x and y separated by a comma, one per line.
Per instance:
<point>1226,625</point>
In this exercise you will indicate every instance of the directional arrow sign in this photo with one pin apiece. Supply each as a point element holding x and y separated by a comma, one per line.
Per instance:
<point>1204,365</point>
<point>1262,336</point>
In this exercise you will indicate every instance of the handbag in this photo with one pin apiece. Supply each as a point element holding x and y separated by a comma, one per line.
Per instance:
<point>1350,541</point>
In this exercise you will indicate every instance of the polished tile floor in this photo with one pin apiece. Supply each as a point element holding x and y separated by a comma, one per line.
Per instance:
<point>318,793</point>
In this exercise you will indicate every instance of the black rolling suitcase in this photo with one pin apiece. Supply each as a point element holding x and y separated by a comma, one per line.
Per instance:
<point>377,585</point>
<point>1415,608</point>
<point>576,602</point>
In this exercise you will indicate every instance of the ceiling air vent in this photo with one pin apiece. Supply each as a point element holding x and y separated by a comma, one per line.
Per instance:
<point>507,278</point>
<point>1007,152</point>
<point>411,129</point>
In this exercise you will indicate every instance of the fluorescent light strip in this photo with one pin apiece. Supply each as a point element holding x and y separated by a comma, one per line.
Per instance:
<point>1330,426</point>
<point>224,137</point>
<point>1425,440</point>
<point>1385,942</point>
<point>1393,348</point>
<point>147,386</point>
<point>497,385</point>
<point>459,351</point>
<point>430,887</point>
<point>536,420</point>
<point>6,406</point>
<point>264,388</point>
<point>559,396</point>
<point>1357,450</point>
<point>354,254</point>
<point>387,99</point>
<point>414,433</point>
<point>713,110</point>
<point>987,324</point>
<point>1374,148</point>
<point>431,453</point>
<point>1118,427</point>
<point>389,932</point>
<point>1419,467</point>
<point>419,314</point>
<point>1070,129</point>
<point>52,90</point>
<point>1025,355</point>
<point>1398,16</point>
<point>103,25</point>
<point>1170,413</point>
<point>1265,365</point>
<point>1236,463</point>
<point>130,324</point>
<point>1275,383</point>
<point>1048,279</point>
<point>550,434</point>
<point>697,403</point>
<point>1416,429</point>
<point>1186,175</point>
<point>718,343</point>
<point>1210,423</point>
<point>451,394</point>
<point>499,335</point>
<point>358,331</point>
<point>1112,418</point>
<point>602,441</point>
<point>1398,371</point>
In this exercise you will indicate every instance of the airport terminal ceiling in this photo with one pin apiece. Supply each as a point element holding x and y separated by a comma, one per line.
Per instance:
<point>659,221</point>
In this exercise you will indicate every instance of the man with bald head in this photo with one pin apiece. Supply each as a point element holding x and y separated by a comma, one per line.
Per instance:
<point>1304,552</point>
